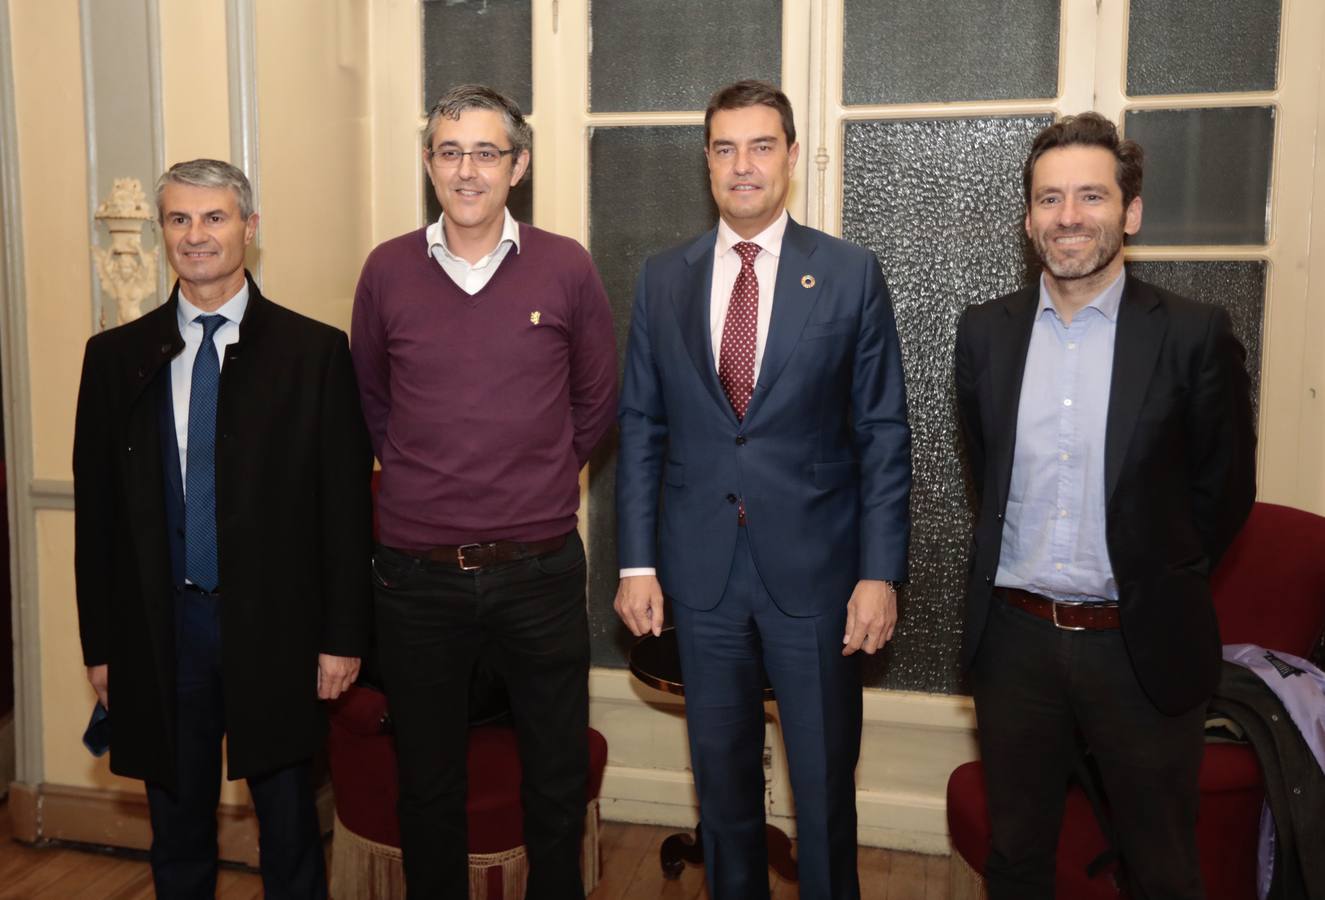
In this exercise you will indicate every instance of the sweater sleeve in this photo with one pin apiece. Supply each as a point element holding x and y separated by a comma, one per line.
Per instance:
<point>593,387</point>
<point>369,352</point>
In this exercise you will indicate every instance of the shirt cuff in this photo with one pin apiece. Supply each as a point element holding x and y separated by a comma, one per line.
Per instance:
<point>630,573</point>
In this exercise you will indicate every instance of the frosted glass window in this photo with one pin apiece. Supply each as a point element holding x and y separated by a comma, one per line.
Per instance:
<point>940,202</point>
<point>648,190</point>
<point>1207,174</point>
<point>484,41</point>
<point>1202,46</point>
<point>1236,285</point>
<point>647,55</point>
<point>901,51</point>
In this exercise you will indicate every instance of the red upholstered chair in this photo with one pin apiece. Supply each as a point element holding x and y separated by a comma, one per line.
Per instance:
<point>365,856</point>
<point>1269,590</point>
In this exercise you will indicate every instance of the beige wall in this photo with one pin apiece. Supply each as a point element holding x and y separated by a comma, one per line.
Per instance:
<point>195,89</point>
<point>48,109</point>
<point>312,67</point>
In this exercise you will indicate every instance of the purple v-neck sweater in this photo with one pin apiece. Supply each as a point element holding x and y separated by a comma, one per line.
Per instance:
<point>482,409</point>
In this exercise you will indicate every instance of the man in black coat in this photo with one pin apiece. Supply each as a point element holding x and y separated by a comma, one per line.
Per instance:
<point>1111,443</point>
<point>221,481</point>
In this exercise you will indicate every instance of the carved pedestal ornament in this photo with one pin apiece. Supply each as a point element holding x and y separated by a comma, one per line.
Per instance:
<point>127,272</point>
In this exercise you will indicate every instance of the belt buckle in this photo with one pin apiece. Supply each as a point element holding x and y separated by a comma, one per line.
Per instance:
<point>460,557</point>
<point>1054,605</point>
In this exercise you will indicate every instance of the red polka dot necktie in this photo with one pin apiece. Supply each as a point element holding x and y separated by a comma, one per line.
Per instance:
<point>736,357</point>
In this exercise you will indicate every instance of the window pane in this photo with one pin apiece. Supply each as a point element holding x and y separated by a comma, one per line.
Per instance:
<point>900,51</point>
<point>484,41</point>
<point>648,190</point>
<point>1237,286</point>
<point>647,55</point>
<point>940,202</point>
<point>1207,175</point>
<point>1202,46</point>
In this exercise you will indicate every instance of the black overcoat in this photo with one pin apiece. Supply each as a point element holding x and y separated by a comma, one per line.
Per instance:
<point>293,531</point>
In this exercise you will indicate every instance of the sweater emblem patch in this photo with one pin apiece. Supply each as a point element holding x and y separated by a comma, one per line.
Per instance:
<point>535,316</point>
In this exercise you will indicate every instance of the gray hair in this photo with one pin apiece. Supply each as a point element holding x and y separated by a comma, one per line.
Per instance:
<point>478,96</point>
<point>207,173</point>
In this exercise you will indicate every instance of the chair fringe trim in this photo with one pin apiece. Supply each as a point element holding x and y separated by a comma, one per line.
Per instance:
<point>363,869</point>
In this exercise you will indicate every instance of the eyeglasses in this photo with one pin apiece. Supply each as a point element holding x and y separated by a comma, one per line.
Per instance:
<point>484,157</point>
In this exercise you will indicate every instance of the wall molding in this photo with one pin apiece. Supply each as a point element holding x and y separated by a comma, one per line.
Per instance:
<point>51,493</point>
<point>90,141</point>
<point>16,396</point>
<point>45,813</point>
<point>910,743</point>
<point>241,45</point>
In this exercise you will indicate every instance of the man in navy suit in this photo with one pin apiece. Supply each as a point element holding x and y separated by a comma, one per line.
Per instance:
<point>763,393</point>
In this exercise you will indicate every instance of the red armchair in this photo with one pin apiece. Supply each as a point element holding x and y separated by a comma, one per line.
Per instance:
<point>1269,590</point>
<point>365,857</point>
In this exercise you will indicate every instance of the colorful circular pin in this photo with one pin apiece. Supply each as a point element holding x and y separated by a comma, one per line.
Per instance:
<point>807,281</point>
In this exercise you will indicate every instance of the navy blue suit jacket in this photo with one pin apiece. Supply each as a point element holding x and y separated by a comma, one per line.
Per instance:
<point>822,458</point>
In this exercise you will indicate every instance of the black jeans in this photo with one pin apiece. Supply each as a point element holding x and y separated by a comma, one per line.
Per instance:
<point>1039,691</point>
<point>529,621</point>
<point>184,851</point>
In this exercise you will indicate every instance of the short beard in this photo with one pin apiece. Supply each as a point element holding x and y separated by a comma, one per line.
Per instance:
<point>1109,245</point>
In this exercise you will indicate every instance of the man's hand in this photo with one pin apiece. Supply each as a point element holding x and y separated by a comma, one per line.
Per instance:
<point>639,603</point>
<point>99,677</point>
<point>335,674</point>
<point>871,617</point>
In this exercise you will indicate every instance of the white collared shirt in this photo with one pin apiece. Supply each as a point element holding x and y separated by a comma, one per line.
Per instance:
<point>727,265</point>
<point>471,278</point>
<point>181,367</point>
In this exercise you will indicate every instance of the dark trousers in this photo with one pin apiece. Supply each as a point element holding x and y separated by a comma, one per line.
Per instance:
<point>528,620</point>
<point>184,852</point>
<point>725,652</point>
<point>1039,692</point>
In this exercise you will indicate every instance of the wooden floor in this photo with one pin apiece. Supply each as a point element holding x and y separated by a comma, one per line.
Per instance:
<point>630,872</point>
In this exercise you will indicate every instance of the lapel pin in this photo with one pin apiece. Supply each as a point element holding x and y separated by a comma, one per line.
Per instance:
<point>807,281</point>
<point>535,316</point>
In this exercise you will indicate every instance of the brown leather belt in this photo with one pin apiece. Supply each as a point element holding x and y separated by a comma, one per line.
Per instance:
<point>470,557</point>
<point>1067,615</point>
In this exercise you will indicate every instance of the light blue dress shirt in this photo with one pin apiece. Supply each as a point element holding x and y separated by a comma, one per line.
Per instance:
<point>181,367</point>
<point>1054,526</point>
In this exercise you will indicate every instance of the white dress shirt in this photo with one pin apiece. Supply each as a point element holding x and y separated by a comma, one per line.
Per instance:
<point>181,367</point>
<point>726,266</point>
<point>472,278</point>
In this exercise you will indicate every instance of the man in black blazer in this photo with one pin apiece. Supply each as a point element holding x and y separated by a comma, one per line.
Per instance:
<point>221,482</point>
<point>1111,443</point>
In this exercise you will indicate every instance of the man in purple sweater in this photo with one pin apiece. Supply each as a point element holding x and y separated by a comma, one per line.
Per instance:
<point>487,367</point>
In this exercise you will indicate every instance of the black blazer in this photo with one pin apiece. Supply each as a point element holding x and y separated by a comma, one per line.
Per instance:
<point>293,531</point>
<point>1179,470</point>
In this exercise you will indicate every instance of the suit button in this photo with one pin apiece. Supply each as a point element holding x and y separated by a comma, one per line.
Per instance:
<point>1000,517</point>
<point>988,580</point>
<point>731,498</point>
<point>740,440</point>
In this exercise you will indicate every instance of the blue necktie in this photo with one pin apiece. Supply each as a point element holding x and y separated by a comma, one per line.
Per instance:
<point>200,471</point>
